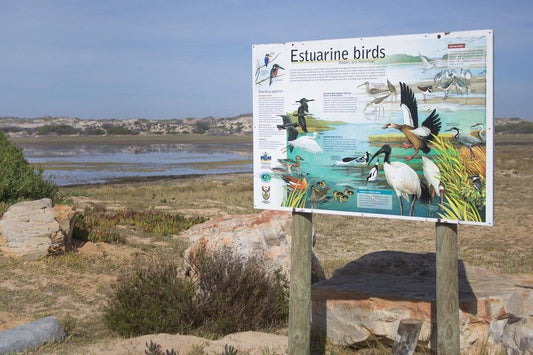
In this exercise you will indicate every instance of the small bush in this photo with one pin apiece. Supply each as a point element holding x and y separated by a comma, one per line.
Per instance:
<point>94,225</point>
<point>150,299</point>
<point>19,180</point>
<point>238,295</point>
<point>98,225</point>
<point>223,295</point>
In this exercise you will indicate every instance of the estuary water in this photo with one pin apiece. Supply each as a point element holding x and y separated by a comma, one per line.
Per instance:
<point>98,163</point>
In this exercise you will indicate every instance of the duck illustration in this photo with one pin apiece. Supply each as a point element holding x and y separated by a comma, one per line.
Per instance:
<point>292,164</point>
<point>295,183</point>
<point>319,195</point>
<point>418,136</point>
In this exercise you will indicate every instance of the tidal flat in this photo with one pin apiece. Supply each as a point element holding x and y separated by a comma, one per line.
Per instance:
<point>74,160</point>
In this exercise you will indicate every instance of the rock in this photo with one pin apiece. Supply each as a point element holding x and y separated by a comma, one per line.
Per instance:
<point>65,216</point>
<point>32,335</point>
<point>267,234</point>
<point>31,229</point>
<point>370,296</point>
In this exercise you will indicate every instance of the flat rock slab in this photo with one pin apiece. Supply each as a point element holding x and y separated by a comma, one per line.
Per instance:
<point>31,335</point>
<point>371,295</point>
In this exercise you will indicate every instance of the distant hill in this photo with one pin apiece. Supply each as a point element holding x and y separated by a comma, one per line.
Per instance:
<point>48,125</point>
<point>512,125</point>
<point>238,125</point>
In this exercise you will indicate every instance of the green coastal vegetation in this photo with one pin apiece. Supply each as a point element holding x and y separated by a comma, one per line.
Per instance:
<point>19,180</point>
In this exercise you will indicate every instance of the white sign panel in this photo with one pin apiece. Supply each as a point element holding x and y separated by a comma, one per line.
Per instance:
<point>396,126</point>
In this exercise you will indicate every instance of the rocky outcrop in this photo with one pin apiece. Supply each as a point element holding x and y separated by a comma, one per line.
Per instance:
<point>31,229</point>
<point>370,296</point>
<point>266,235</point>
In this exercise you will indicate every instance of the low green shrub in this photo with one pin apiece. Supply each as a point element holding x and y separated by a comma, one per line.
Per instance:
<point>238,295</point>
<point>99,225</point>
<point>19,180</point>
<point>224,294</point>
<point>151,298</point>
<point>95,225</point>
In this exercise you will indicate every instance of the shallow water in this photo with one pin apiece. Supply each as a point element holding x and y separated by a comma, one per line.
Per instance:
<point>97,163</point>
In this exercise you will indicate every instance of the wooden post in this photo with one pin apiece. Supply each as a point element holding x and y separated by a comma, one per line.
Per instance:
<point>300,284</point>
<point>448,329</point>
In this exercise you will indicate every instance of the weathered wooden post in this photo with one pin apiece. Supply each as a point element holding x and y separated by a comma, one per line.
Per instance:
<point>448,330</point>
<point>300,284</point>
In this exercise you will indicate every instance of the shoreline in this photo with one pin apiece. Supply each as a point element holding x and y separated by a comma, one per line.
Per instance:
<point>132,139</point>
<point>157,178</point>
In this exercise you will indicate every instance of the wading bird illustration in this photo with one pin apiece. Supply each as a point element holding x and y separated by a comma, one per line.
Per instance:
<point>303,103</point>
<point>307,143</point>
<point>427,63</point>
<point>480,129</point>
<point>377,103</point>
<point>466,76</point>
<point>438,77</point>
<point>445,86</point>
<point>403,179</point>
<point>351,161</point>
<point>274,72</point>
<point>295,183</point>
<point>267,59</point>
<point>466,140</point>
<point>425,90</point>
<point>432,175</point>
<point>418,136</point>
<point>460,85</point>
<point>373,91</point>
<point>392,90</point>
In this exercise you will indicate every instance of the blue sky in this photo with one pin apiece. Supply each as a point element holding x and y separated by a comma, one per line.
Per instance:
<point>164,59</point>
